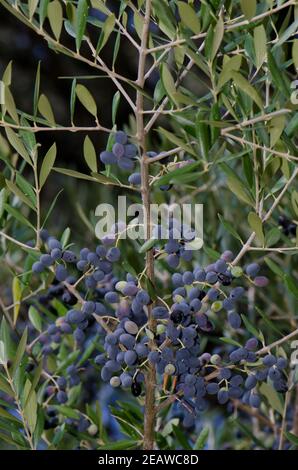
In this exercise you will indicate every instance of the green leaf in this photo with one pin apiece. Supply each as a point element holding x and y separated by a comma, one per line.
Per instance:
<point>229,228</point>
<point>294,201</point>
<point>55,15</point>
<point>177,141</point>
<point>100,5</point>
<point>246,431</point>
<point>3,197</point>
<point>247,88</point>
<point>165,17</point>
<point>65,237</point>
<point>88,351</point>
<point>6,338</point>
<point>257,226</point>
<point>250,327</point>
<point>177,175</point>
<point>295,53</point>
<point>90,154</point>
<point>35,318</point>
<point>36,90</point>
<point>274,267</point>
<point>51,208</point>
<point>291,285</point>
<point>17,296</point>
<point>81,21</point>
<point>106,32</point>
<point>290,31</point>
<point>115,106</point>
<point>277,125</point>
<point>260,44</point>
<point>168,83</point>
<point>272,237</point>
<point>4,387</point>
<point>238,188</point>
<point>217,37</point>
<point>30,409</point>
<point>15,190</point>
<point>47,164</point>
<point>203,135</point>
<point>86,99</point>
<point>230,341</point>
<point>20,352</point>
<point>3,355</point>
<point>17,215</point>
<point>230,65</point>
<point>147,245</point>
<point>103,179</point>
<point>45,109</point>
<point>74,174</point>
<point>26,188</point>
<point>6,415</point>
<point>150,289</point>
<point>67,411</point>
<point>277,76</point>
<point>32,5</point>
<point>43,8</point>
<point>181,437</point>
<point>121,445</point>
<point>6,77</point>
<point>73,99</point>
<point>248,8</point>
<point>268,322</point>
<point>291,437</point>
<point>18,145</point>
<point>188,17</point>
<point>202,439</point>
<point>272,396</point>
<point>10,104</point>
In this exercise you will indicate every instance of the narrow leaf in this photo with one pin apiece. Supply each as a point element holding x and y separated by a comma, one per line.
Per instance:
<point>81,20</point>
<point>86,99</point>
<point>90,154</point>
<point>249,8</point>
<point>17,144</point>
<point>188,17</point>
<point>17,295</point>
<point>55,15</point>
<point>257,226</point>
<point>20,352</point>
<point>45,109</point>
<point>47,164</point>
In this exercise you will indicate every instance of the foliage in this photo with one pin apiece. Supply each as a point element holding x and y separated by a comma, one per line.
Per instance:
<point>213,116</point>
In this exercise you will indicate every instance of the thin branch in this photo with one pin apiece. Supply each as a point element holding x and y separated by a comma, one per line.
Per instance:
<point>268,348</point>
<point>280,196</point>
<point>267,216</point>
<point>114,77</point>
<point>36,129</point>
<point>16,242</point>
<point>163,155</point>
<point>265,149</point>
<point>278,250</point>
<point>249,122</point>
